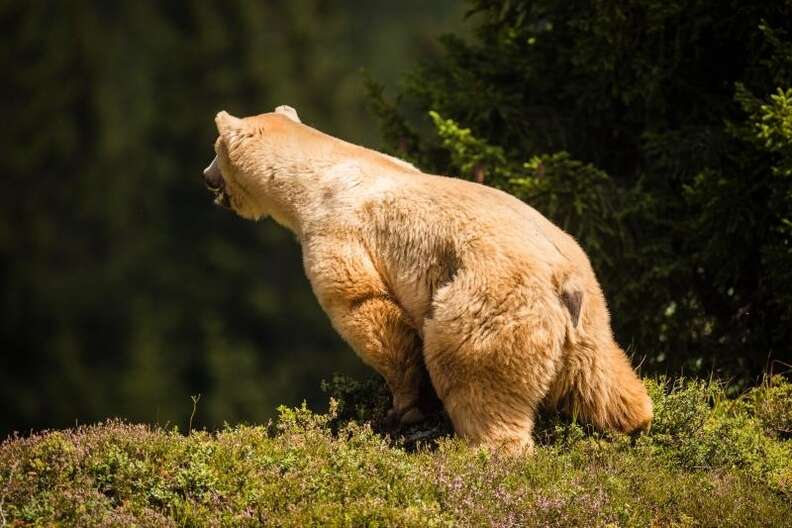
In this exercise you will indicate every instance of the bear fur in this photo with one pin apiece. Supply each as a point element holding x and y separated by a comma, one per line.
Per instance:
<point>428,274</point>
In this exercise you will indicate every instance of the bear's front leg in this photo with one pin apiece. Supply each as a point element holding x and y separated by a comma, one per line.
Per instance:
<point>380,333</point>
<point>364,312</point>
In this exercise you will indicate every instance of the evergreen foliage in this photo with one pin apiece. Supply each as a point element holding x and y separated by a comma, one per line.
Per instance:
<point>658,133</point>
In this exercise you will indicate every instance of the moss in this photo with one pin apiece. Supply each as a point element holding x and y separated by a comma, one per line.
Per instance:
<point>709,460</point>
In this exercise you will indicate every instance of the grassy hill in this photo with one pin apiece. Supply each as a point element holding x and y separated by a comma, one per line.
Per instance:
<point>709,460</point>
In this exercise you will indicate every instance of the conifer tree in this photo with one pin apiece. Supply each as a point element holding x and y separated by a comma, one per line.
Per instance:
<point>655,131</point>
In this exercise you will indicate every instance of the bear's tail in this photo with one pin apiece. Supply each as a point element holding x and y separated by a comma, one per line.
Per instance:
<point>595,381</point>
<point>599,386</point>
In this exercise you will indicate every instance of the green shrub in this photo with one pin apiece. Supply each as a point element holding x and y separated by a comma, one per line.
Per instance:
<point>709,460</point>
<point>771,405</point>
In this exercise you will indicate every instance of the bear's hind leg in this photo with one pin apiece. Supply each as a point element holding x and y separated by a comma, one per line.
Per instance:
<point>485,415</point>
<point>493,357</point>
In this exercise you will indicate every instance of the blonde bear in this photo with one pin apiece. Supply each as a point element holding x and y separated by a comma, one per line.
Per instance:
<point>426,274</point>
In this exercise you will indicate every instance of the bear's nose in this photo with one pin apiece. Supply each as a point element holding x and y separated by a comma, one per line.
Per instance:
<point>213,178</point>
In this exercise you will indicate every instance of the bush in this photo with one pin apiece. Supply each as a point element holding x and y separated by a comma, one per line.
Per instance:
<point>709,460</point>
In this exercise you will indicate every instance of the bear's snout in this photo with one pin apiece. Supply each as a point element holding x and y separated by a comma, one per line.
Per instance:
<point>213,178</point>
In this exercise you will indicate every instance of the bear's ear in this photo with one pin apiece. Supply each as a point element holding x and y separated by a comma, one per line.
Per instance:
<point>289,112</point>
<point>226,123</point>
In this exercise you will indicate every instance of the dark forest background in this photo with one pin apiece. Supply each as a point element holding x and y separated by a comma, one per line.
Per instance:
<point>124,289</point>
<point>659,133</point>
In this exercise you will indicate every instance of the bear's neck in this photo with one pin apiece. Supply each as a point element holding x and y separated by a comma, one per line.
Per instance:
<point>303,193</point>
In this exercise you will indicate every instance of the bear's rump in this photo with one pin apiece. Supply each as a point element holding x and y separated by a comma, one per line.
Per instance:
<point>494,330</point>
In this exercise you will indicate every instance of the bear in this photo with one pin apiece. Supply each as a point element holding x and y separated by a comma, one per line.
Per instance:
<point>436,280</point>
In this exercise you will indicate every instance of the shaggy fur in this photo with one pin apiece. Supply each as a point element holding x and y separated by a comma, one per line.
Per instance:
<point>423,273</point>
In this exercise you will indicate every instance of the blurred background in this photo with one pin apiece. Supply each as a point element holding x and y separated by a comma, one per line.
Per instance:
<point>657,132</point>
<point>124,289</point>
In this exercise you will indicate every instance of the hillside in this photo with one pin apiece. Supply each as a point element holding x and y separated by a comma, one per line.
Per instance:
<point>709,460</point>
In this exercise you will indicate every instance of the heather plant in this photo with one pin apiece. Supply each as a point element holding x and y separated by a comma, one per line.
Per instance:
<point>772,408</point>
<point>709,460</point>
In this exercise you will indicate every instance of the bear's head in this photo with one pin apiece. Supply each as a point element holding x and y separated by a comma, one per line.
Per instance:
<point>249,154</point>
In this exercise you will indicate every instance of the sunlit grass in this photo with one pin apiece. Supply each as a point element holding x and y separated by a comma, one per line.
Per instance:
<point>709,460</point>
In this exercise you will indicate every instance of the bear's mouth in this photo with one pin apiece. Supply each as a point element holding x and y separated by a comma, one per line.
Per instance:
<point>221,198</point>
<point>213,179</point>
